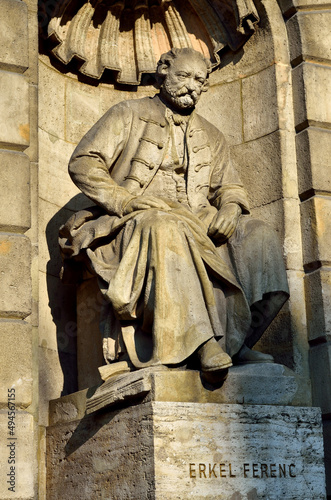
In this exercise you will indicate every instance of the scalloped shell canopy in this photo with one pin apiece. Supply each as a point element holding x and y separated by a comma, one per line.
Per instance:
<point>129,36</point>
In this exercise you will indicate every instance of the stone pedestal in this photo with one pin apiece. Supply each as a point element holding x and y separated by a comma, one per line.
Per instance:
<point>159,449</point>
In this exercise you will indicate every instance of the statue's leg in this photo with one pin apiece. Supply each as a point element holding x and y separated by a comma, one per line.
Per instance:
<point>256,255</point>
<point>162,285</point>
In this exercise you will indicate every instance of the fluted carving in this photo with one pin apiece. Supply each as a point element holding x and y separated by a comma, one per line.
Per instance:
<point>128,36</point>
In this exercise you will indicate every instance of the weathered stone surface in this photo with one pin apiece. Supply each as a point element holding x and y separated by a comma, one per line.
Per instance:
<point>222,108</point>
<point>316,230</point>
<point>260,165</point>
<point>14,36</point>
<point>15,262</point>
<point>82,109</point>
<point>311,94</point>
<point>55,185</point>
<point>184,450</point>
<point>259,107</point>
<point>318,303</point>
<point>320,369</point>
<point>52,101</point>
<point>14,111</point>
<point>50,217</point>
<point>25,449</point>
<point>289,6</point>
<point>243,385</point>
<point>51,381</point>
<point>16,361</point>
<point>314,160</point>
<point>310,36</point>
<point>15,191</point>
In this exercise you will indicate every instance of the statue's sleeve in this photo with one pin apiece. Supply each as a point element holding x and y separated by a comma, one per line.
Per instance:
<point>225,184</point>
<point>94,157</point>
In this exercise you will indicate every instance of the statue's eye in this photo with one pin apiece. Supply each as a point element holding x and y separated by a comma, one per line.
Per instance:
<point>181,75</point>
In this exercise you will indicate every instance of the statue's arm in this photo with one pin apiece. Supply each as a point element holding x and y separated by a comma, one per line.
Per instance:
<point>95,155</point>
<point>227,193</point>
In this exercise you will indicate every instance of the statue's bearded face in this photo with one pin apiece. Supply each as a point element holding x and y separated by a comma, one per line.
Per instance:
<point>184,81</point>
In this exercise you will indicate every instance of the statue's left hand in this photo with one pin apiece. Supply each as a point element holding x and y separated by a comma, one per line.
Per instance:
<point>225,222</point>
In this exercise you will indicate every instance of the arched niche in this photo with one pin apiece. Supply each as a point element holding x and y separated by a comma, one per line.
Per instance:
<point>250,101</point>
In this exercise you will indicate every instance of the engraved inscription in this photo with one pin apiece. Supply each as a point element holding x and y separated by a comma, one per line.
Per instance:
<point>246,470</point>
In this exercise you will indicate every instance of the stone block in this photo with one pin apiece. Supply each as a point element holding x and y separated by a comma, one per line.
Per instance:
<point>314,160</point>
<point>311,95</point>
<point>15,271</point>
<point>51,217</point>
<point>281,386</point>
<point>320,369</point>
<point>82,109</point>
<point>178,451</point>
<point>33,20</point>
<point>55,185</point>
<point>51,381</point>
<point>259,102</point>
<point>222,107</point>
<point>14,110</point>
<point>260,51</point>
<point>259,163</point>
<point>23,450</point>
<point>273,214</point>
<point>318,304</point>
<point>310,36</point>
<point>316,231</point>
<point>57,314</point>
<point>51,101</point>
<point>14,36</point>
<point>15,191</point>
<point>289,7</point>
<point>16,361</point>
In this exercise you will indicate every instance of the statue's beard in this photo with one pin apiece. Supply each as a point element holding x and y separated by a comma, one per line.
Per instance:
<point>182,98</point>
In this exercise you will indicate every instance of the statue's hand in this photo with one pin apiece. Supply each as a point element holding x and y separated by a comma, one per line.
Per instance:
<point>225,222</point>
<point>144,203</point>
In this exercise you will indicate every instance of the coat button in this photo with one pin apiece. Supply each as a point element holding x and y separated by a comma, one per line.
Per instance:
<point>142,183</point>
<point>160,145</point>
<point>195,149</point>
<point>162,125</point>
<point>151,166</point>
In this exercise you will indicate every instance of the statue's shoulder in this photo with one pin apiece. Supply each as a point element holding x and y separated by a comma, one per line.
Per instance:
<point>143,105</point>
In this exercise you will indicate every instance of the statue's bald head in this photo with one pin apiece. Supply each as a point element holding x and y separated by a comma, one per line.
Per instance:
<point>182,75</point>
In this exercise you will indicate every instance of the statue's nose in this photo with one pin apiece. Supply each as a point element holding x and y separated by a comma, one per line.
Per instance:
<point>190,84</point>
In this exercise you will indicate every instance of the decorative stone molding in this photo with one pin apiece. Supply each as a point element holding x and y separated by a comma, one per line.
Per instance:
<point>128,36</point>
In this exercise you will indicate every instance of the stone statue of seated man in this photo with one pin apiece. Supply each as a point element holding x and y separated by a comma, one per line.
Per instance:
<point>184,268</point>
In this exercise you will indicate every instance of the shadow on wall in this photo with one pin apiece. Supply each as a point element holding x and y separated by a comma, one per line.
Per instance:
<point>62,297</point>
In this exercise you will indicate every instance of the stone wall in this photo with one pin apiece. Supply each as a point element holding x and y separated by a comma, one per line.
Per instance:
<point>18,250</point>
<point>270,100</point>
<point>308,26</point>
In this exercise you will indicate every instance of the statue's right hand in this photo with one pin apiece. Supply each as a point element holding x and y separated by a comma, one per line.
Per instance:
<point>145,203</point>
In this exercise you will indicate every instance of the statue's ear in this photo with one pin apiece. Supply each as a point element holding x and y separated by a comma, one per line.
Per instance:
<point>163,69</point>
<point>205,86</point>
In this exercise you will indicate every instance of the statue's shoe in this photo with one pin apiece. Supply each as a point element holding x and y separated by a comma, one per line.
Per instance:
<point>247,355</point>
<point>213,358</point>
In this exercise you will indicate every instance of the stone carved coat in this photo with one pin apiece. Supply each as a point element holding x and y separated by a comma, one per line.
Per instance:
<point>117,160</point>
<point>129,143</point>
